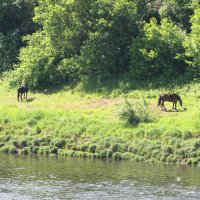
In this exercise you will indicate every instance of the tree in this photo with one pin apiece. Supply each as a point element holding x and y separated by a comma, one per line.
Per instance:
<point>158,50</point>
<point>179,11</point>
<point>192,44</point>
<point>105,53</point>
<point>15,21</point>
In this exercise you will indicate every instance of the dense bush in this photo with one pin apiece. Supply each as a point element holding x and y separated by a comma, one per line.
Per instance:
<point>136,112</point>
<point>158,50</point>
<point>104,39</point>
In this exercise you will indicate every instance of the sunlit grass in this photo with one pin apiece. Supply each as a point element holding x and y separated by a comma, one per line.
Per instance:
<point>90,123</point>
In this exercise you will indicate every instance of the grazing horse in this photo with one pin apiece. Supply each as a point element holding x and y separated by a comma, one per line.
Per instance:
<point>22,91</point>
<point>171,98</point>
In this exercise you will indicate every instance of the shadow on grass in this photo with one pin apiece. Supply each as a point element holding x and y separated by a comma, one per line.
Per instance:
<point>178,110</point>
<point>125,84</point>
<point>30,99</point>
<point>53,89</point>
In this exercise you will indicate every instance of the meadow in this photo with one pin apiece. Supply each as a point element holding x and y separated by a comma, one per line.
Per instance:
<point>121,123</point>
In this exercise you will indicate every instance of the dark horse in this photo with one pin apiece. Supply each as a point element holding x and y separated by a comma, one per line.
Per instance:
<point>171,98</point>
<point>22,91</point>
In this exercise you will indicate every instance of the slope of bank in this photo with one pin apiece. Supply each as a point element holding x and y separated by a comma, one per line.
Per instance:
<point>71,123</point>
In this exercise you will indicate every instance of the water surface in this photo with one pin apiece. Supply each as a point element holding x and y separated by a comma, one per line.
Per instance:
<point>29,177</point>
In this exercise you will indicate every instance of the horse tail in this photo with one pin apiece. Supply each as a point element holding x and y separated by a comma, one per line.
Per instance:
<point>159,101</point>
<point>180,101</point>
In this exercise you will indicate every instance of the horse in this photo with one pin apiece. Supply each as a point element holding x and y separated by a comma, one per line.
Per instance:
<point>22,91</point>
<point>171,98</point>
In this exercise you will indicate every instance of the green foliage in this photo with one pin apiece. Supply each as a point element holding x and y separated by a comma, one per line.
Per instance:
<point>102,39</point>
<point>128,114</point>
<point>60,143</point>
<point>192,43</point>
<point>179,11</point>
<point>136,112</point>
<point>105,53</point>
<point>15,21</point>
<point>92,148</point>
<point>25,151</point>
<point>13,150</point>
<point>157,50</point>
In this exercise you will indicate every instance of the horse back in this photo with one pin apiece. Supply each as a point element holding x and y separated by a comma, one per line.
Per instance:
<point>170,97</point>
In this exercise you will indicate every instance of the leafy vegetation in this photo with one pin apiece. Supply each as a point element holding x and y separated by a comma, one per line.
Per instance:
<point>99,66</point>
<point>66,42</point>
<point>129,126</point>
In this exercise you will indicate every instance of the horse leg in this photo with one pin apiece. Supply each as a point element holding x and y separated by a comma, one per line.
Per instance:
<point>164,106</point>
<point>21,96</point>
<point>18,96</point>
<point>175,105</point>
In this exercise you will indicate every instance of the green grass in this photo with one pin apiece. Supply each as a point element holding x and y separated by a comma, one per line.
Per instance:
<point>74,123</point>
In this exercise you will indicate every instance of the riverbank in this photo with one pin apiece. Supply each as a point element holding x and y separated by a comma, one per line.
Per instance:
<point>96,125</point>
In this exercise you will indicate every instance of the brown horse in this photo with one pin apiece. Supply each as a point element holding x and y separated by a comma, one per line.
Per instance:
<point>171,98</point>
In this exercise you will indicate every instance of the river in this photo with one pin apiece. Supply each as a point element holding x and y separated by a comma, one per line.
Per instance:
<point>33,177</point>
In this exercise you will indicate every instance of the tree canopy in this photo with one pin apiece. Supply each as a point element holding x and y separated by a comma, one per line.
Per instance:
<point>53,42</point>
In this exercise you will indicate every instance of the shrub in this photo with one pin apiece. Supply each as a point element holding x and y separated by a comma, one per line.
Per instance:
<point>1,145</point>
<point>195,162</point>
<point>16,143</point>
<point>135,112</point>
<point>172,133</point>
<point>5,120</point>
<point>153,133</point>
<point>128,114</point>
<point>25,151</point>
<point>117,156</point>
<point>92,148</point>
<point>132,149</point>
<point>115,147</point>
<point>167,149</point>
<point>60,143</point>
<point>197,144</point>
<point>103,153</point>
<point>128,156</point>
<point>163,158</point>
<point>36,142</point>
<point>106,144</point>
<point>84,147</point>
<point>13,150</point>
<point>189,162</point>
<point>54,150</point>
<point>35,150</point>
<point>38,130</point>
<point>44,150</point>
<point>31,122</point>
<point>23,144</point>
<point>109,154</point>
<point>5,149</point>
<point>6,138</point>
<point>45,141</point>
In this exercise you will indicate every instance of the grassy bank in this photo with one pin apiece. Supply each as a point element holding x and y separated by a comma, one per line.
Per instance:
<point>72,123</point>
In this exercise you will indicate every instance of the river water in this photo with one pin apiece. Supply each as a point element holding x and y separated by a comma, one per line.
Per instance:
<point>31,177</point>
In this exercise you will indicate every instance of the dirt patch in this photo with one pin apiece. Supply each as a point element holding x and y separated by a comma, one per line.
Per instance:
<point>100,103</point>
<point>51,106</point>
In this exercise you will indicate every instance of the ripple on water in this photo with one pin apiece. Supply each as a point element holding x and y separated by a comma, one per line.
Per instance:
<point>34,178</point>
